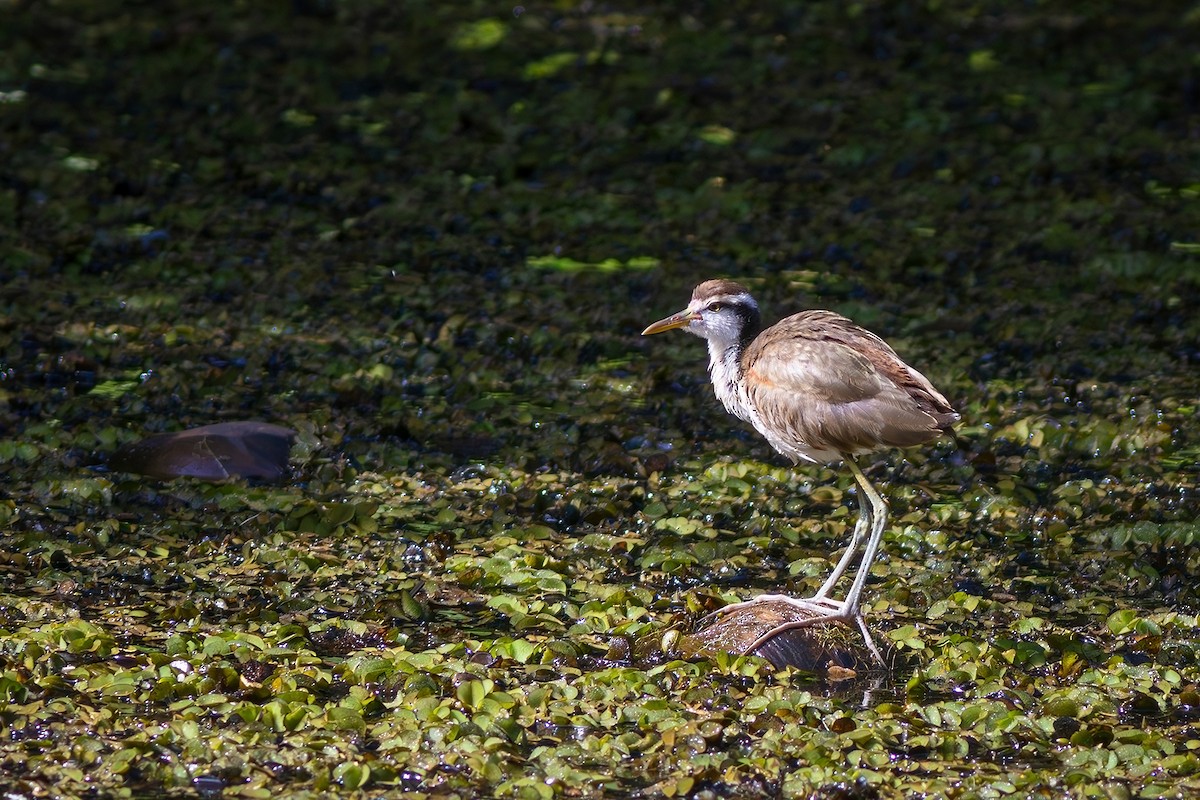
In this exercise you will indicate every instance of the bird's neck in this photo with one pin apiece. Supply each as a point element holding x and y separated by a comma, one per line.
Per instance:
<point>725,368</point>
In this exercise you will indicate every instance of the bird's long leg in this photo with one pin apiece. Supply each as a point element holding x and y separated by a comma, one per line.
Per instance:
<point>879,515</point>
<point>872,514</point>
<point>860,529</point>
<point>821,600</point>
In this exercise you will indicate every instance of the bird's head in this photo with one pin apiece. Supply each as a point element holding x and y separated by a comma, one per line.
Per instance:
<point>720,310</point>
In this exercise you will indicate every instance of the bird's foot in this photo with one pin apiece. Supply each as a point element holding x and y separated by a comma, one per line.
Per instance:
<point>821,606</point>
<point>822,610</point>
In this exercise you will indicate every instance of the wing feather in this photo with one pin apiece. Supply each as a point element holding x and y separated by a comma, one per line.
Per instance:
<point>824,387</point>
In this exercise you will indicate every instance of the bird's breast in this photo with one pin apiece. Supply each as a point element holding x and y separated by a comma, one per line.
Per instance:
<point>731,384</point>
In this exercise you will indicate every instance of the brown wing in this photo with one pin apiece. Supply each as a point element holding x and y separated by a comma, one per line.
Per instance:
<point>823,384</point>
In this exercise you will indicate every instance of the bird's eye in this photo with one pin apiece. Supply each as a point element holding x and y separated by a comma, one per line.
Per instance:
<point>715,307</point>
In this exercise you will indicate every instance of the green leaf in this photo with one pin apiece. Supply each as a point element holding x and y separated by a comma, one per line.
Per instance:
<point>471,693</point>
<point>352,775</point>
<point>1121,622</point>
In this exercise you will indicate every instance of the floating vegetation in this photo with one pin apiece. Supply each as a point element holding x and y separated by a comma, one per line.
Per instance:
<point>425,237</point>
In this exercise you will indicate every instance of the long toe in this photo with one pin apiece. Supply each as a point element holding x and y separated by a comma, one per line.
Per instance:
<point>823,611</point>
<point>839,617</point>
<point>818,619</point>
<point>823,606</point>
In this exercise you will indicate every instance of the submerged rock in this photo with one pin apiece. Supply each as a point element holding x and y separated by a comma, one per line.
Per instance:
<point>833,651</point>
<point>251,450</point>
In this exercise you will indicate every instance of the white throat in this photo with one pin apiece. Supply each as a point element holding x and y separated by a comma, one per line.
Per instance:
<point>725,367</point>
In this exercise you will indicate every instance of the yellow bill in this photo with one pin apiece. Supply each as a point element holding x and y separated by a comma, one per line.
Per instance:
<point>680,320</point>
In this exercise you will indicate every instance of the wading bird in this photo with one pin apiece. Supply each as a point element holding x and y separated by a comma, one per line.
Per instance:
<point>820,389</point>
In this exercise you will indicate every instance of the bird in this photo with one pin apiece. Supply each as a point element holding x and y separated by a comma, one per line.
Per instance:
<point>820,389</point>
